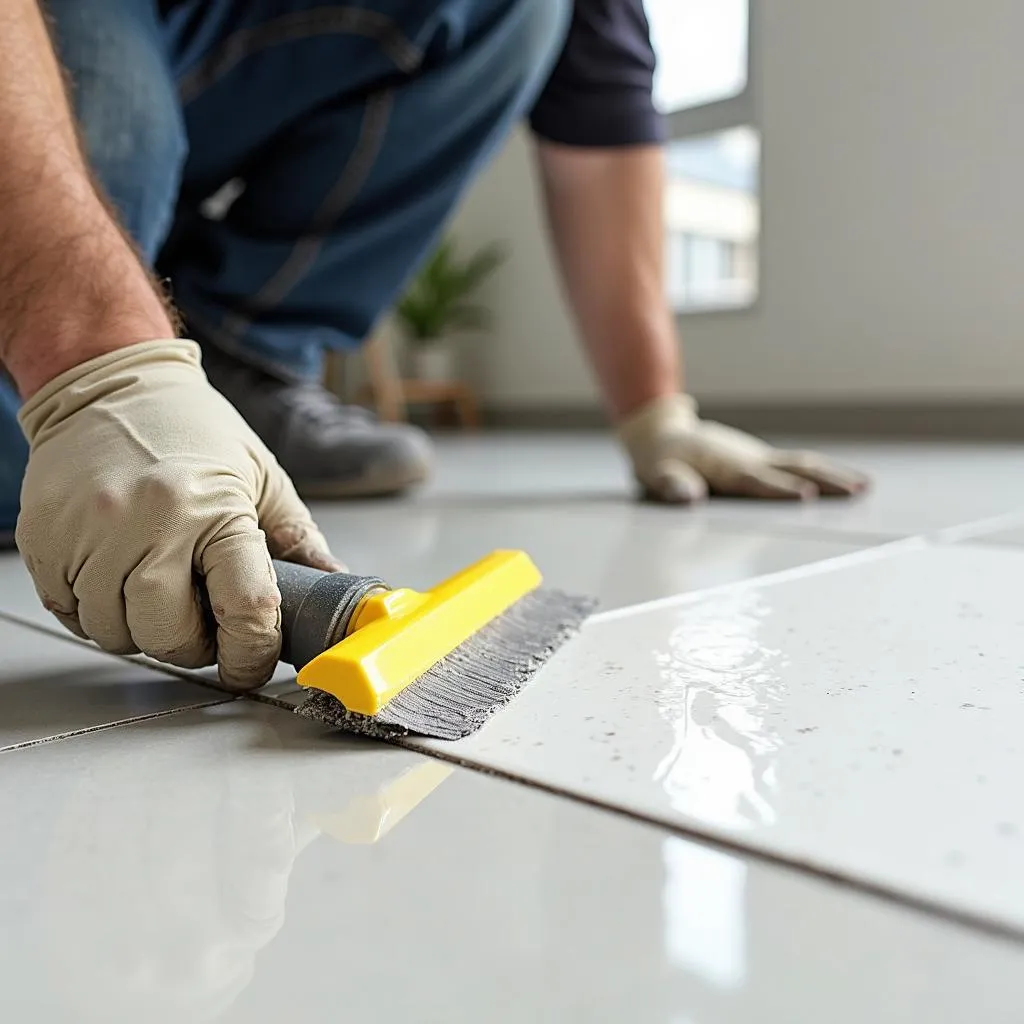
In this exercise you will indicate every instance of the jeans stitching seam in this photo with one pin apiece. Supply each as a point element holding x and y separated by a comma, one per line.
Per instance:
<point>212,333</point>
<point>306,249</point>
<point>401,50</point>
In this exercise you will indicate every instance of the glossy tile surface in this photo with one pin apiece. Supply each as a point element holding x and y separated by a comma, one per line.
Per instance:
<point>619,551</point>
<point>18,597</point>
<point>918,487</point>
<point>868,720</point>
<point>238,865</point>
<point>1007,534</point>
<point>18,601</point>
<point>855,713</point>
<point>50,686</point>
<point>566,498</point>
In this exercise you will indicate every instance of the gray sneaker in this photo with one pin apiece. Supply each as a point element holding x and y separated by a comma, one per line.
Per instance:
<point>330,450</point>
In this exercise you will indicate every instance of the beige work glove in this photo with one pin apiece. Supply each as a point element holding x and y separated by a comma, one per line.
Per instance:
<point>143,486</point>
<point>678,457</point>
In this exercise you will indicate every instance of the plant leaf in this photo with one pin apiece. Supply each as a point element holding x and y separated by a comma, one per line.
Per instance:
<point>437,300</point>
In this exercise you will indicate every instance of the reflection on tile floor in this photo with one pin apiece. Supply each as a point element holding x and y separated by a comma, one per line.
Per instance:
<point>867,720</point>
<point>618,552</point>
<point>919,487</point>
<point>50,686</point>
<point>857,710</point>
<point>239,865</point>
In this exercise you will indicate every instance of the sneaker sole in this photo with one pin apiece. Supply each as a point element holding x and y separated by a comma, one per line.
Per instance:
<point>382,485</point>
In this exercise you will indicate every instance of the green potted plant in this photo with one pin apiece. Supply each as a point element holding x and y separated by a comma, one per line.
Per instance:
<point>440,303</point>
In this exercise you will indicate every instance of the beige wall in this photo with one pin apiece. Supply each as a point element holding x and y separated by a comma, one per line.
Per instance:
<point>534,359</point>
<point>893,148</point>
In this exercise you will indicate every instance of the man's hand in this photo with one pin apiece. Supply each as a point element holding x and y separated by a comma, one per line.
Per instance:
<point>144,485</point>
<point>677,457</point>
<point>606,210</point>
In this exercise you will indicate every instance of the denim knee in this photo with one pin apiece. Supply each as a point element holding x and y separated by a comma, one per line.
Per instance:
<point>127,108</point>
<point>13,458</point>
<point>541,27</point>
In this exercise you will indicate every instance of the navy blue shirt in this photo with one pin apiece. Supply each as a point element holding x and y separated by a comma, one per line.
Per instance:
<point>601,90</point>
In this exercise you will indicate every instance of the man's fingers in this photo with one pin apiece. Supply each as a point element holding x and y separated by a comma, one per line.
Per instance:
<point>829,477</point>
<point>245,603</point>
<point>164,614</point>
<point>101,606</point>
<point>674,482</point>
<point>53,589</point>
<point>303,543</point>
<point>292,536</point>
<point>763,482</point>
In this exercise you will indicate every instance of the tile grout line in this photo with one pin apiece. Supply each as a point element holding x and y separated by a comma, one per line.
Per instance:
<point>877,545</point>
<point>879,890</point>
<point>896,544</point>
<point>809,569</point>
<point>270,699</point>
<point>876,889</point>
<point>811,531</point>
<point>981,544</point>
<point>105,726</point>
<point>976,528</point>
<point>64,636</point>
<point>882,548</point>
<point>707,514</point>
<point>56,634</point>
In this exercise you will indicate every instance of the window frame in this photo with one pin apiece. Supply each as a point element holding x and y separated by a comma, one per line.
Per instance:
<point>739,111</point>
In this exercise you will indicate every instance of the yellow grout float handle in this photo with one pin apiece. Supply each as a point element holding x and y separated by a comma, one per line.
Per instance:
<point>368,642</point>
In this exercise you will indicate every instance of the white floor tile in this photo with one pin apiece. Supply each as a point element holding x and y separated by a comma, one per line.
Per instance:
<point>50,686</point>
<point>868,720</point>
<point>618,551</point>
<point>236,865</point>
<point>621,552</point>
<point>18,599</point>
<point>18,596</point>
<point>918,487</point>
<point>542,467</point>
<point>283,680</point>
<point>1006,535</point>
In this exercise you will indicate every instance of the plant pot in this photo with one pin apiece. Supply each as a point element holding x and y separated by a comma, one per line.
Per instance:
<point>434,363</point>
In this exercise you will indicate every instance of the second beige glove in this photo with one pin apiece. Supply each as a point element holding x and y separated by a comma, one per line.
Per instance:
<point>678,457</point>
<point>143,485</point>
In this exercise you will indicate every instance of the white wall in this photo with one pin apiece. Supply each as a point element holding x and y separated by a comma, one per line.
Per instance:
<point>893,187</point>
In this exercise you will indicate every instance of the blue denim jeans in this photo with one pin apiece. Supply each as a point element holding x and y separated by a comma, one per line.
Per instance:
<point>13,457</point>
<point>352,128</point>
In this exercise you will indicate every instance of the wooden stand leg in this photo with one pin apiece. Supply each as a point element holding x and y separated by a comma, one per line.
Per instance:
<point>469,414</point>
<point>385,383</point>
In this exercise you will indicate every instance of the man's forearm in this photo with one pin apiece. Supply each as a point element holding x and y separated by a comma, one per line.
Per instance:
<point>605,209</point>
<point>71,286</point>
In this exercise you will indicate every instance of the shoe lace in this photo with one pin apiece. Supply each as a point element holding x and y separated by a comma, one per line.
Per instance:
<point>315,405</point>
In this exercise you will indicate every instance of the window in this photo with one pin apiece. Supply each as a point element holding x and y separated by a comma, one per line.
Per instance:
<point>702,51</point>
<point>712,204</point>
<point>712,215</point>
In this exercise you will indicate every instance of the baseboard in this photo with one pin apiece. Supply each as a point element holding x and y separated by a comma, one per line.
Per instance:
<point>990,420</point>
<point>555,418</point>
